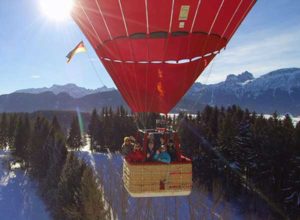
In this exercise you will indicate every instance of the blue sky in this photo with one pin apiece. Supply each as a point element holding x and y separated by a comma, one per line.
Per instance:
<point>33,47</point>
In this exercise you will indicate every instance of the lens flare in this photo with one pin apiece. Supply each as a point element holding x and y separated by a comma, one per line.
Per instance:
<point>80,120</point>
<point>57,10</point>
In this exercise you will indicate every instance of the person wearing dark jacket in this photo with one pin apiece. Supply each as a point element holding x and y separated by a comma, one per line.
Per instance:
<point>150,152</point>
<point>172,150</point>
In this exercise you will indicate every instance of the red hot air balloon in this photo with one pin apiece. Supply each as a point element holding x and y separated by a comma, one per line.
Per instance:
<point>154,50</point>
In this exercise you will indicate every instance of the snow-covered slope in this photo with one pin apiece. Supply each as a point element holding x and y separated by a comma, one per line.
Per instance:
<point>284,79</point>
<point>18,196</point>
<point>275,91</point>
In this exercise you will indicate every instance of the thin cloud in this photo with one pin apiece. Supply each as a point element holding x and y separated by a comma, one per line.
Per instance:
<point>35,76</point>
<point>258,52</point>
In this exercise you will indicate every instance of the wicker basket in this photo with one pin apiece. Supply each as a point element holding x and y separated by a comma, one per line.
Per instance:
<point>157,179</point>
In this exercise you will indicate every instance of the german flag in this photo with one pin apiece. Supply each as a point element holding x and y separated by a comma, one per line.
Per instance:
<point>78,49</point>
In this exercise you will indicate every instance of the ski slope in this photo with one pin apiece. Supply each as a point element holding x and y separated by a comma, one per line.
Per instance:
<point>18,196</point>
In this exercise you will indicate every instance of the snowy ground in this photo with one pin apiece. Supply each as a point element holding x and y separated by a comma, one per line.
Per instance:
<point>199,205</point>
<point>18,198</point>
<point>295,120</point>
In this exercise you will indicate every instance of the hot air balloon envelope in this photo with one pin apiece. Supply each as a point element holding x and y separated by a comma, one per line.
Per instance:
<point>154,50</point>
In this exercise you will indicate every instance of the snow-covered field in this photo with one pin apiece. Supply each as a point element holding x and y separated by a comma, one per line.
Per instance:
<point>18,197</point>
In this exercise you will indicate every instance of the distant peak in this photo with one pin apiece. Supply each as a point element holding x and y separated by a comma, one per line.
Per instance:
<point>231,77</point>
<point>243,77</point>
<point>246,73</point>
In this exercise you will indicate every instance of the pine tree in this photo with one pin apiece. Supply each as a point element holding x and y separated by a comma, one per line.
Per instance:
<point>3,131</point>
<point>38,150</point>
<point>27,135</point>
<point>123,112</point>
<point>297,139</point>
<point>57,156</point>
<point>92,129</point>
<point>261,172</point>
<point>58,150</point>
<point>206,114</point>
<point>107,129</point>
<point>122,125</point>
<point>69,190</point>
<point>290,176</point>
<point>74,140</point>
<point>19,141</point>
<point>91,197</point>
<point>288,133</point>
<point>13,119</point>
<point>227,137</point>
<point>55,125</point>
<point>190,134</point>
<point>213,125</point>
<point>99,135</point>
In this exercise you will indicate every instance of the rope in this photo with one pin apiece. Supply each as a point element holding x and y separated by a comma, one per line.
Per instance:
<point>201,94</point>
<point>94,68</point>
<point>89,58</point>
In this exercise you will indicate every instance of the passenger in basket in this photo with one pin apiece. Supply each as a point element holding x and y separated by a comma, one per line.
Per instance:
<point>127,146</point>
<point>162,141</point>
<point>150,152</point>
<point>162,155</point>
<point>172,150</point>
<point>137,155</point>
<point>132,140</point>
<point>151,137</point>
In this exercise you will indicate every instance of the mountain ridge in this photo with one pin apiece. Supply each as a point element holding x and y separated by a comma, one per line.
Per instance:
<point>278,90</point>
<point>72,89</point>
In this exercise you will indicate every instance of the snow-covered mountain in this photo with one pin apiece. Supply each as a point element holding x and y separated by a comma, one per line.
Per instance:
<point>283,79</point>
<point>71,89</point>
<point>275,91</point>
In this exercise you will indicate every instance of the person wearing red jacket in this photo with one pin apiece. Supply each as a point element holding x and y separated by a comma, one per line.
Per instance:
<point>137,155</point>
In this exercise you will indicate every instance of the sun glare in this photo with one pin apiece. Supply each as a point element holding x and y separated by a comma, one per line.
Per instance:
<point>58,10</point>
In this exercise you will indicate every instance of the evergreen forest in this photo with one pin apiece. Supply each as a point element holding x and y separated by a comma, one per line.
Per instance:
<point>254,159</point>
<point>67,185</point>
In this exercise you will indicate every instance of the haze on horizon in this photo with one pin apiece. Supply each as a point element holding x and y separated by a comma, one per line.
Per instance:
<point>34,47</point>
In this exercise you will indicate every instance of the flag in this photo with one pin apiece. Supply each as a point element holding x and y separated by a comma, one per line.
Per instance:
<point>78,49</point>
